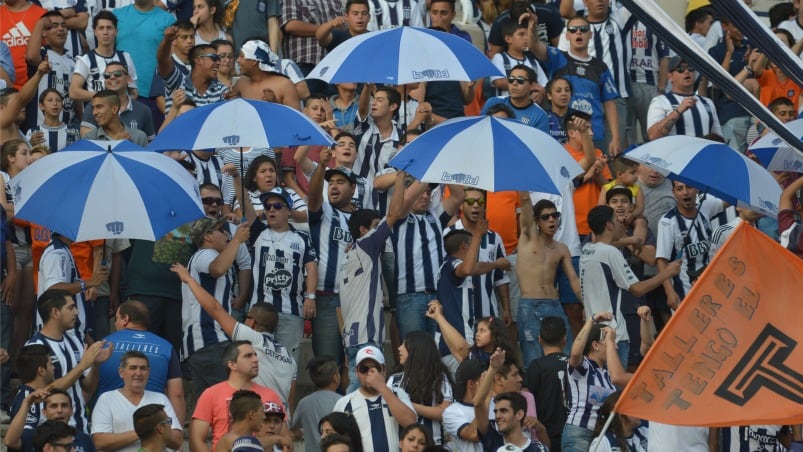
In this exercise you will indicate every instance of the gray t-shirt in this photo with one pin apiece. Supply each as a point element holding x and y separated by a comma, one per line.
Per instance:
<point>251,19</point>
<point>309,412</point>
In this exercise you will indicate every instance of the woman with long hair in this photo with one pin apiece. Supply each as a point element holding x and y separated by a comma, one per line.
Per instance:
<point>343,424</point>
<point>489,334</point>
<point>415,438</point>
<point>624,433</point>
<point>207,17</point>
<point>593,373</point>
<point>425,379</point>
<point>559,94</point>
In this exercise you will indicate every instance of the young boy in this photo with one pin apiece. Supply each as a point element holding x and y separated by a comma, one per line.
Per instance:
<point>57,134</point>
<point>273,424</point>
<point>247,414</point>
<point>626,173</point>
<point>515,53</point>
<point>325,375</point>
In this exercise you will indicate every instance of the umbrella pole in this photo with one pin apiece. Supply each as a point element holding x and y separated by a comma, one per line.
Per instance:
<point>242,183</point>
<point>404,118</point>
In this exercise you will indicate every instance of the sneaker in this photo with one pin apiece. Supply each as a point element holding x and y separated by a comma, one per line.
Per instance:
<point>4,417</point>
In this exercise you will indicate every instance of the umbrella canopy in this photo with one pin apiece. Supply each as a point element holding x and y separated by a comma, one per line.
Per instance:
<point>107,189</point>
<point>775,154</point>
<point>404,55</point>
<point>489,153</point>
<point>714,167</point>
<point>240,123</point>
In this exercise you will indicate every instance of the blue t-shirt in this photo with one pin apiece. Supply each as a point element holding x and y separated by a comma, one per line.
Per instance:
<point>556,130</point>
<point>139,34</point>
<point>164,363</point>
<point>532,115</point>
<point>592,84</point>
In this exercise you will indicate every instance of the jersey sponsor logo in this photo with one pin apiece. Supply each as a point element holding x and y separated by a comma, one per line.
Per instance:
<point>582,105</point>
<point>643,63</point>
<point>17,36</point>
<point>341,234</point>
<point>273,258</point>
<point>278,279</point>
<point>693,250</point>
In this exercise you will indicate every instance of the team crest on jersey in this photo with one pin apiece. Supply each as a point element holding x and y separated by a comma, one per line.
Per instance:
<point>278,279</point>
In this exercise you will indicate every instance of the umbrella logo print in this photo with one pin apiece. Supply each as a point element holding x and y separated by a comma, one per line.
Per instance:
<point>431,74</point>
<point>115,227</point>
<point>18,193</point>
<point>231,140</point>
<point>460,178</point>
<point>769,205</point>
<point>564,172</point>
<point>657,161</point>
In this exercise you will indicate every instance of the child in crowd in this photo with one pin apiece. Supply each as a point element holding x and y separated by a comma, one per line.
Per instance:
<point>626,173</point>
<point>57,134</point>
<point>516,52</point>
<point>325,375</point>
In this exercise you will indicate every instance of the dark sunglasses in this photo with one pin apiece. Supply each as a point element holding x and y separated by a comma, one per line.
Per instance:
<point>472,201</point>
<point>682,69</point>
<point>580,28</point>
<point>273,205</point>
<point>212,56</point>
<point>364,369</point>
<point>547,216</point>
<point>117,73</point>
<point>519,80</point>
<point>210,201</point>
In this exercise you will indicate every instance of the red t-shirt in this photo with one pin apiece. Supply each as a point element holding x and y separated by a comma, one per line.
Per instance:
<point>16,29</point>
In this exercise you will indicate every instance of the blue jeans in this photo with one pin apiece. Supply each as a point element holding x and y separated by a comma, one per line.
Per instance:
<point>531,312</point>
<point>575,439</point>
<point>289,332</point>
<point>326,338</point>
<point>623,350</point>
<point>410,313</point>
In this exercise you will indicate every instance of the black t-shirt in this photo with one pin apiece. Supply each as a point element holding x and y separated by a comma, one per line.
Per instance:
<point>550,25</point>
<point>545,378</point>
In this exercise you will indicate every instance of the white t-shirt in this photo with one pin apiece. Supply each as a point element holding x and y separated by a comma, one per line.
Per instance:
<point>455,417</point>
<point>277,367</point>
<point>673,438</point>
<point>113,413</point>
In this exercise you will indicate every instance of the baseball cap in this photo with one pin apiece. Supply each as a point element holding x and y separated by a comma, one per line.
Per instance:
<point>277,192</point>
<point>274,408</point>
<point>246,444</point>
<point>370,352</point>
<point>618,190</point>
<point>675,62</point>
<point>342,170</point>
<point>200,228</point>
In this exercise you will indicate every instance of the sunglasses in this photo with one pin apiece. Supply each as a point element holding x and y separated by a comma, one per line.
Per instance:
<point>117,73</point>
<point>211,201</point>
<point>472,201</point>
<point>225,56</point>
<point>519,80</point>
<point>212,56</point>
<point>547,216</point>
<point>273,205</point>
<point>682,69</point>
<point>364,369</point>
<point>580,28</point>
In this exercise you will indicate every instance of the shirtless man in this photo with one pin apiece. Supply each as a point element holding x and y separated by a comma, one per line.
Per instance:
<point>539,258</point>
<point>260,73</point>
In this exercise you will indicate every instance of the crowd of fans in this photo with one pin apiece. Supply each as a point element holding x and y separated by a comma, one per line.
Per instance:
<point>515,319</point>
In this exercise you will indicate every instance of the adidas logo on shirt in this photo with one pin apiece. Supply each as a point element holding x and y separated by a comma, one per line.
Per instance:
<point>17,36</point>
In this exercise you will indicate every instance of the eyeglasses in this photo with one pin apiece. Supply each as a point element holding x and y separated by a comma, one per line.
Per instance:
<point>225,56</point>
<point>580,28</point>
<point>210,201</point>
<point>547,216</point>
<point>519,80</point>
<point>683,68</point>
<point>167,421</point>
<point>273,205</point>
<point>212,56</point>
<point>472,201</point>
<point>67,446</point>
<point>117,73</point>
<point>364,369</point>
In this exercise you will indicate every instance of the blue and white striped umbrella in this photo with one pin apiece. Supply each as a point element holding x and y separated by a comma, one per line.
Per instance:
<point>775,154</point>
<point>404,55</point>
<point>240,123</point>
<point>107,189</point>
<point>489,153</point>
<point>713,167</point>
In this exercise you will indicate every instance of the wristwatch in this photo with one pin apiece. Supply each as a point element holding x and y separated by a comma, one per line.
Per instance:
<point>310,296</point>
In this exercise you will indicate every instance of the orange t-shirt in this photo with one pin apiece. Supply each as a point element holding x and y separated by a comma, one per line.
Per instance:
<point>16,29</point>
<point>81,252</point>
<point>586,196</point>
<point>772,89</point>
<point>213,406</point>
<point>501,210</point>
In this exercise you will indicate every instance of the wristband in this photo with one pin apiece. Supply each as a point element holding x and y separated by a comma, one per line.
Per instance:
<point>310,296</point>
<point>83,285</point>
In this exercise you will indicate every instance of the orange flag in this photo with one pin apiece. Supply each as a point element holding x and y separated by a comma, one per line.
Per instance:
<point>732,353</point>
